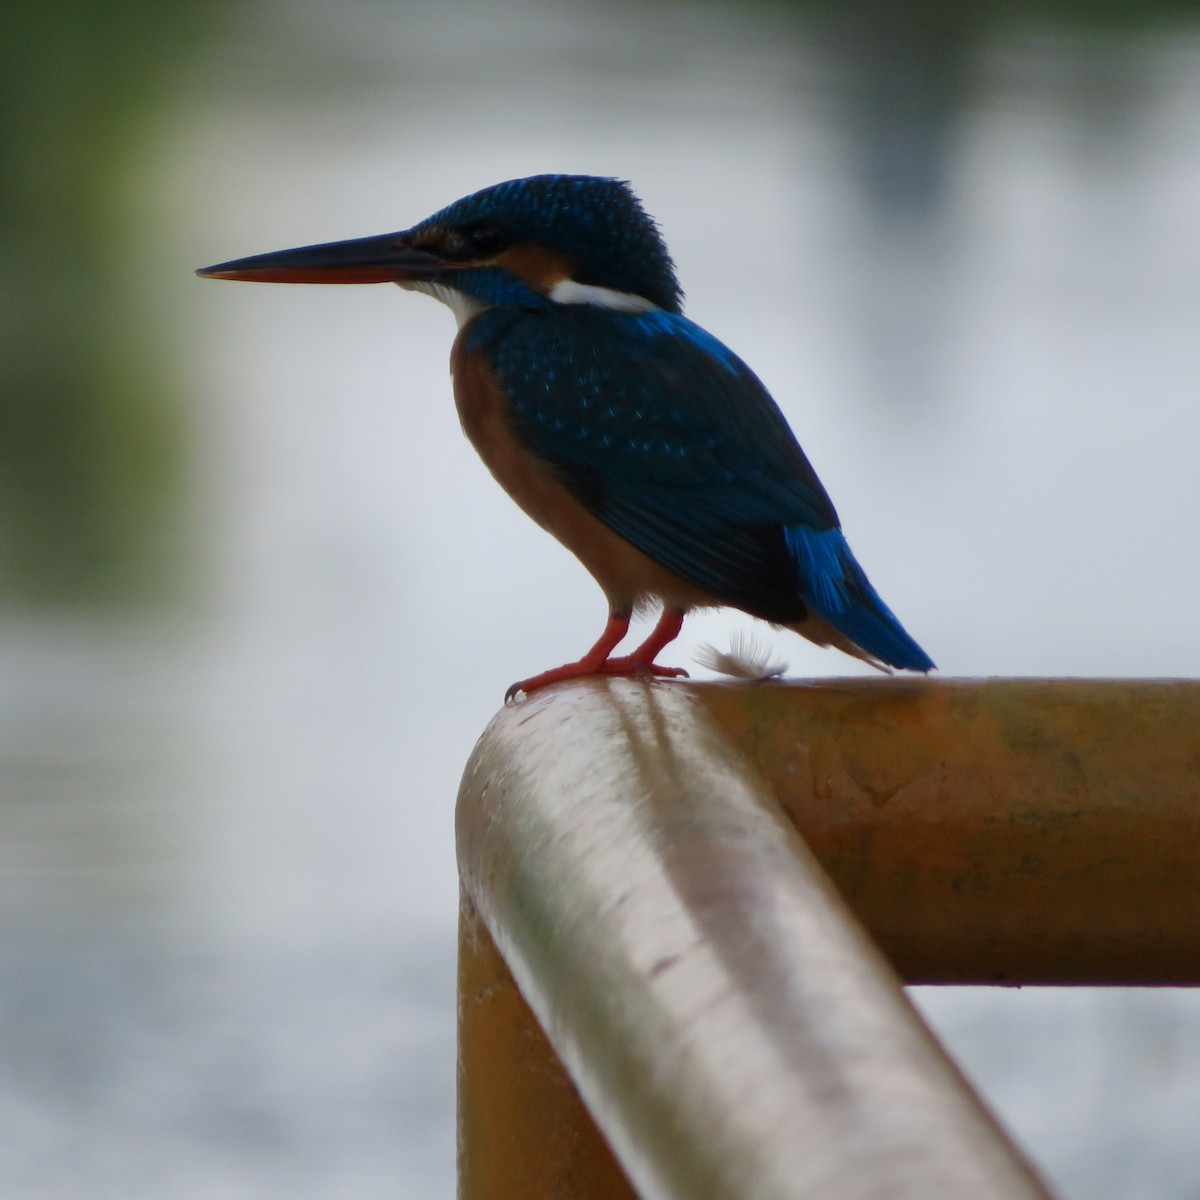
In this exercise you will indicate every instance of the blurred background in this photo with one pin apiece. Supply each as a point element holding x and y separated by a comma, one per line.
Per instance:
<point>258,598</point>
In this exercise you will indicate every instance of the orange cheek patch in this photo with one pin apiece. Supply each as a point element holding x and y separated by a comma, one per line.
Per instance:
<point>539,267</point>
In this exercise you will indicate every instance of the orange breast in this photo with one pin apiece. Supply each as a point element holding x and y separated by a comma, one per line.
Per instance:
<point>627,576</point>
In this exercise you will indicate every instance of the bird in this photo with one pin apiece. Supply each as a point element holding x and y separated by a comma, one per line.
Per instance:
<point>635,437</point>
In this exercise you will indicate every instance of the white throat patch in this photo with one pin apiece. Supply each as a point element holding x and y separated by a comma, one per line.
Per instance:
<point>462,306</point>
<point>567,291</point>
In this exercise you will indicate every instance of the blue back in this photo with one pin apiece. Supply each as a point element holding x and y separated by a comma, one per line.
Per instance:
<point>668,438</point>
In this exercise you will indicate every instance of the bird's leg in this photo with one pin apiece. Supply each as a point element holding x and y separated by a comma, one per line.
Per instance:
<point>592,663</point>
<point>641,661</point>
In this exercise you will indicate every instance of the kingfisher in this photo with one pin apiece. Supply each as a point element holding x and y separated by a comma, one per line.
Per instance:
<point>628,432</point>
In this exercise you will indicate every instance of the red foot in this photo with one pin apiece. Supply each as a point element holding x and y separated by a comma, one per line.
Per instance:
<point>596,660</point>
<point>627,666</point>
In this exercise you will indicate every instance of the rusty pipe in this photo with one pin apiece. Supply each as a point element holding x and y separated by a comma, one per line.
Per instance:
<point>731,1030</point>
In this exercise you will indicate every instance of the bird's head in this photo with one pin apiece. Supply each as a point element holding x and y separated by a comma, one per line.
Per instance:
<point>566,239</point>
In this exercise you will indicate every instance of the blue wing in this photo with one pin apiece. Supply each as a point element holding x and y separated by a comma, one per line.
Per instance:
<point>672,441</point>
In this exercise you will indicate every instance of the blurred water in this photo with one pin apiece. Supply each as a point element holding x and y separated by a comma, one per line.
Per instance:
<point>226,871</point>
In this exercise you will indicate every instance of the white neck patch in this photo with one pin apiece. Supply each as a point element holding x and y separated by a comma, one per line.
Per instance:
<point>462,306</point>
<point>567,291</point>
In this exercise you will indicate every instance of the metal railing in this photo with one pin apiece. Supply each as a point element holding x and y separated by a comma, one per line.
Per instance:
<point>654,960</point>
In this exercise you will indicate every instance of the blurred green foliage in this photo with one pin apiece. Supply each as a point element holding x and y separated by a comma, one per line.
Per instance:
<point>90,444</point>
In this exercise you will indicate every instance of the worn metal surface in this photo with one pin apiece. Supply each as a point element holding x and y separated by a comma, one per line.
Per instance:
<point>730,1028</point>
<point>1002,830</point>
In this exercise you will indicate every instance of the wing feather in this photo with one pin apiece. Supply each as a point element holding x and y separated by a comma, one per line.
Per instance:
<point>669,439</point>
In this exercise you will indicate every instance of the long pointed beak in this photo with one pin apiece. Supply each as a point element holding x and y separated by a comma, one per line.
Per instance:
<point>383,259</point>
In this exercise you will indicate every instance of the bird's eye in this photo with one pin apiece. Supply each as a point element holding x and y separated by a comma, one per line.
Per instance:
<point>486,238</point>
<point>470,242</point>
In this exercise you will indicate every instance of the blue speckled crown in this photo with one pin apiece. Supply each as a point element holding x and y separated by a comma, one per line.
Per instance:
<point>598,223</point>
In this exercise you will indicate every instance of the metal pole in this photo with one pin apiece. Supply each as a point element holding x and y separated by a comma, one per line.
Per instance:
<point>995,830</point>
<point>732,1031</point>
<point>524,1133</point>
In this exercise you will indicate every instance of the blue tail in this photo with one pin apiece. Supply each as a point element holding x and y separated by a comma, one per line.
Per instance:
<point>835,587</point>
